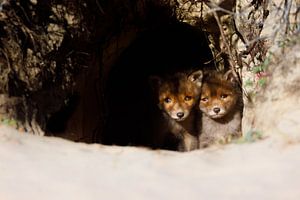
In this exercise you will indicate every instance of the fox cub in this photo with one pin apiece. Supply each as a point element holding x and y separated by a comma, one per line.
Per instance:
<point>177,96</point>
<point>221,106</point>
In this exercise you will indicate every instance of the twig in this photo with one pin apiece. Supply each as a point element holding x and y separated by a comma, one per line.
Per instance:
<point>100,7</point>
<point>231,57</point>
<point>286,13</point>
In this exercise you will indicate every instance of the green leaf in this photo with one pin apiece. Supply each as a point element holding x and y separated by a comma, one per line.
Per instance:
<point>257,69</point>
<point>262,81</point>
<point>248,83</point>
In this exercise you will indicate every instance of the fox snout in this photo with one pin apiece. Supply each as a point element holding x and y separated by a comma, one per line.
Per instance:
<point>176,111</point>
<point>178,115</point>
<point>216,111</point>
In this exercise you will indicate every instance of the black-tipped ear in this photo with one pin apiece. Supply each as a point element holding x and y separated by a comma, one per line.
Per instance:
<point>196,77</point>
<point>155,82</point>
<point>229,76</point>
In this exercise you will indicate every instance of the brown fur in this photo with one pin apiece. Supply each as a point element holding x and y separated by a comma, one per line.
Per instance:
<point>177,96</point>
<point>221,106</point>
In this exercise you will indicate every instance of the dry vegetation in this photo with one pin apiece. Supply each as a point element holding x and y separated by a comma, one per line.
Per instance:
<point>55,55</point>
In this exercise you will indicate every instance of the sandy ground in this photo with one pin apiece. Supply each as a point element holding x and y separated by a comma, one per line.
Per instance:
<point>33,167</point>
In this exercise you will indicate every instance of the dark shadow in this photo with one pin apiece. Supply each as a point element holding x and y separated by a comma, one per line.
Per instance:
<point>56,124</point>
<point>163,50</point>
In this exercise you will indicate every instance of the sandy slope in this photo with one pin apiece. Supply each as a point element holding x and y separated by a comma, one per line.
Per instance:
<point>33,167</point>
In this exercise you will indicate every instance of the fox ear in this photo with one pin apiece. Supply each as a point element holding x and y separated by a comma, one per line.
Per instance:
<point>155,81</point>
<point>196,77</point>
<point>229,76</point>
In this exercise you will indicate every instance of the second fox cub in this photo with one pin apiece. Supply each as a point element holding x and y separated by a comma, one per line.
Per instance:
<point>177,96</point>
<point>221,106</point>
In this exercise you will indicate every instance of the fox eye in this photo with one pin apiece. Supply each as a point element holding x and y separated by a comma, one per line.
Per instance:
<point>205,99</point>
<point>187,98</point>
<point>167,100</point>
<point>224,96</point>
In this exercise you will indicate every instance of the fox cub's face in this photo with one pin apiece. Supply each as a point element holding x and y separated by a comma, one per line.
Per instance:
<point>178,93</point>
<point>219,94</point>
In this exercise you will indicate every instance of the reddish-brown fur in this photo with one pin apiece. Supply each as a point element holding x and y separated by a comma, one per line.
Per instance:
<point>221,106</point>
<point>177,95</point>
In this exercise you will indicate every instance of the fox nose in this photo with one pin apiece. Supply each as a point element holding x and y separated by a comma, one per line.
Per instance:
<point>180,114</point>
<point>216,110</point>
